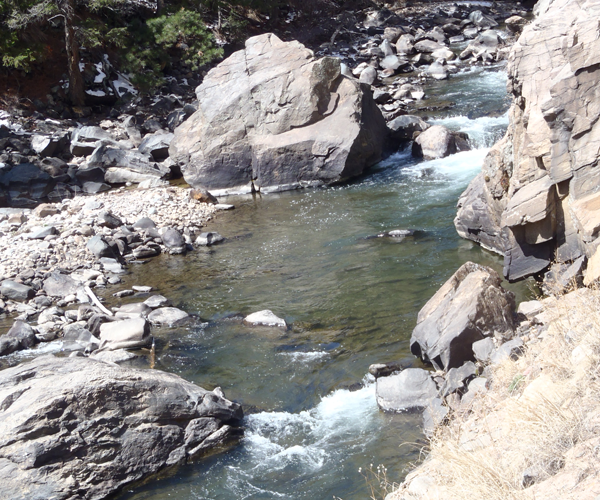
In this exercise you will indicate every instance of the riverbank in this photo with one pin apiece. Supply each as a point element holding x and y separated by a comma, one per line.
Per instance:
<point>532,432</point>
<point>530,429</point>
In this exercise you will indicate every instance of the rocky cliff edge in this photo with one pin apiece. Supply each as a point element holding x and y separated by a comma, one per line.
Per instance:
<point>537,198</point>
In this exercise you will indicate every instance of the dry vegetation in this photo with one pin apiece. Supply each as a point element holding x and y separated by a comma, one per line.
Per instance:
<point>536,433</point>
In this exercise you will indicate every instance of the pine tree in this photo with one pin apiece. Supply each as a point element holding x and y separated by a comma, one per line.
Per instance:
<point>23,14</point>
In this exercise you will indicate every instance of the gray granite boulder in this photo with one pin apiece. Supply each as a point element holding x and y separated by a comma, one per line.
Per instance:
<point>274,117</point>
<point>82,428</point>
<point>471,305</point>
<point>16,291</point>
<point>438,142</point>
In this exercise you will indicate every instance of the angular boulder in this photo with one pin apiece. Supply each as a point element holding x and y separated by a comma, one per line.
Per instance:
<point>125,334</point>
<point>81,428</point>
<point>470,306</point>
<point>273,117</point>
<point>126,166</point>
<point>402,128</point>
<point>16,291</point>
<point>156,145</point>
<point>411,389</point>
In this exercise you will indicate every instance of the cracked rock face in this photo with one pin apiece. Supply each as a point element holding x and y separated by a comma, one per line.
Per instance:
<point>274,116</point>
<point>470,306</point>
<point>77,428</point>
<point>538,197</point>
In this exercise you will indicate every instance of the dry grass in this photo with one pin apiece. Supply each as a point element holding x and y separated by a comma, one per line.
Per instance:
<point>525,428</point>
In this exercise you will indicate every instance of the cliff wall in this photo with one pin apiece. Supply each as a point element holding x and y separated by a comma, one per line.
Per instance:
<point>537,198</point>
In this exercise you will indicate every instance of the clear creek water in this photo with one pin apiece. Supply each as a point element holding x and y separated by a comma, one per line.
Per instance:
<point>312,419</point>
<point>350,301</point>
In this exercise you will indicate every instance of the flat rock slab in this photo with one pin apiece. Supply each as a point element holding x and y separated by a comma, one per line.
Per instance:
<point>81,428</point>
<point>157,301</point>
<point>125,334</point>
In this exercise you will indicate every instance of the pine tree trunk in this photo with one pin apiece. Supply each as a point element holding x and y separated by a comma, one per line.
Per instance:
<point>76,90</point>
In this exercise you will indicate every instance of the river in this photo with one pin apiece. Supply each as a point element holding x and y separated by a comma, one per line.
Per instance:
<point>312,419</point>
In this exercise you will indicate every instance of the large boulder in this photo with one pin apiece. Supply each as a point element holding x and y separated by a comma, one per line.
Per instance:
<point>25,183</point>
<point>537,197</point>
<point>81,428</point>
<point>274,117</point>
<point>471,305</point>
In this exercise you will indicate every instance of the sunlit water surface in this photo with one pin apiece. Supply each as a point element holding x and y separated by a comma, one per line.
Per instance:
<point>350,300</point>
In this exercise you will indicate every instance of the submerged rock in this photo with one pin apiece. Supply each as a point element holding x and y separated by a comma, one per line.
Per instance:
<point>274,116</point>
<point>105,425</point>
<point>168,316</point>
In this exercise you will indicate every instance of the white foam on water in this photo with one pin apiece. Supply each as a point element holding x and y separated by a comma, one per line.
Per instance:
<point>39,350</point>
<point>453,171</point>
<point>307,440</point>
<point>305,357</point>
<point>483,132</point>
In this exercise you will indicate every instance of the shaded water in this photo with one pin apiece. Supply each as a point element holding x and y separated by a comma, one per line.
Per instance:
<point>350,300</point>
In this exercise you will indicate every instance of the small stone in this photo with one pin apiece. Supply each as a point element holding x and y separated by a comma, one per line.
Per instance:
<point>384,369</point>
<point>168,316</point>
<point>157,301</point>
<point>45,210</point>
<point>142,289</point>
<point>144,223</point>
<point>107,219</point>
<point>39,233</point>
<point>203,196</point>
<point>265,318</point>
<point>123,293</point>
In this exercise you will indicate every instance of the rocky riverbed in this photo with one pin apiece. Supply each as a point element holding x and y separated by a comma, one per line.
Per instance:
<point>76,220</point>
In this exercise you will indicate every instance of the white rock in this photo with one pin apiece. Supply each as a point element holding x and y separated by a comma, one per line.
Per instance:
<point>168,316</point>
<point>265,318</point>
